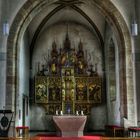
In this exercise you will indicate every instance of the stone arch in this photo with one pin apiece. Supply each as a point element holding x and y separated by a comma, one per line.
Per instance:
<point>29,11</point>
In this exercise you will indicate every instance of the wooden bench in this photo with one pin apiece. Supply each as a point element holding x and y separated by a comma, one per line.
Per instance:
<point>133,131</point>
<point>22,132</point>
<point>114,131</point>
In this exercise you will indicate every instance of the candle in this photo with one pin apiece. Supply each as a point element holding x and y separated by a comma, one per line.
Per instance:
<point>61,112</point>
<point>77,113</point>
<point>82,113</point>
<point>56,112</point>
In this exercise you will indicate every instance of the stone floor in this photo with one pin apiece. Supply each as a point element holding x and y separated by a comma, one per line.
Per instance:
<point>102,138</point>
<point>52,135</point>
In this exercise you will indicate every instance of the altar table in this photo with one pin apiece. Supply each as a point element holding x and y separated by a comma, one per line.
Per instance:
<point>70,126</point>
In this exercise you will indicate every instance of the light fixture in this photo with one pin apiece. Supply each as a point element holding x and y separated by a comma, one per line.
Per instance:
<point>5,28</point>
<point>134,29</point>
<point>134,25</point>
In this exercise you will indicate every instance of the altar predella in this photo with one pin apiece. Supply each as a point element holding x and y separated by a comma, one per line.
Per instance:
<point>67,82</point>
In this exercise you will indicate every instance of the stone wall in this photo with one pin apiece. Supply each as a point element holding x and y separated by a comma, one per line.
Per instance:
<point>136,56</point>
<point>127,10</point>
<point>23,81</point>
<point>112,78</point>
<point>8,11</point>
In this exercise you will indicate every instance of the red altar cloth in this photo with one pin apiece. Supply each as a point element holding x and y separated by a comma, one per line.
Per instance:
<point>70,126</point>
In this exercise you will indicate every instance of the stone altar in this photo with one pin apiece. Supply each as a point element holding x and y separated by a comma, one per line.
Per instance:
<point>70,125</point>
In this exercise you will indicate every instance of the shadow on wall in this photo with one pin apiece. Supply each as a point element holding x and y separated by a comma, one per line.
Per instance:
<point>98,118</point>
<point>39,121</point>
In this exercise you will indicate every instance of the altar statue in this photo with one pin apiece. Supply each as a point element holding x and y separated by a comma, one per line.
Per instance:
<point>54,59</point>
<point>54,52</point>
<point>64,57</point>
<point>81,65</point>
<point>54,68</point>
<point>80,53</point>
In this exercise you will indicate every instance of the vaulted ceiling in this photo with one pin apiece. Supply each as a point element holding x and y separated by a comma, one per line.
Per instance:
<point>80,12</point>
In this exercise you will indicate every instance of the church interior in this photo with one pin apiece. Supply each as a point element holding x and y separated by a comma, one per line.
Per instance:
<point>69,68</point>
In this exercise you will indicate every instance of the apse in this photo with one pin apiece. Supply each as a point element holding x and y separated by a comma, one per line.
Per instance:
<point>63,80</point>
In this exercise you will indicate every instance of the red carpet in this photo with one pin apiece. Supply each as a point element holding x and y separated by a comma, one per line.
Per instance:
<point>43,137</point>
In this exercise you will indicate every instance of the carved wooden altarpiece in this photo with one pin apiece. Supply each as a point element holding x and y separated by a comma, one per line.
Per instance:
<point>69,84</point>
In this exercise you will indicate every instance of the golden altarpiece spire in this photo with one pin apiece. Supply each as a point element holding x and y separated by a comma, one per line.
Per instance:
<point>71,84</point>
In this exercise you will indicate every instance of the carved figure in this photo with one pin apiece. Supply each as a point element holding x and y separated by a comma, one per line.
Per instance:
<point>54,52</point>
<point>54,68</point>
<point>92,72</point>
<point>93,91</point>
<point>72,58</point>
<point>80,53</point>
<point>67,44</point>
<point>81,91</point>
<point>51,109</point>
<point>80,59</point>
<point>80,67</point>
<point>63,58</point>
<point>54,56</point>
<point>41,92</point>
<point>54,94</point>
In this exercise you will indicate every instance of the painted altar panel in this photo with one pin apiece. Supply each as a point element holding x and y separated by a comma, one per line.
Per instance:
<point>94,89</point>
<point>85,107</point>
<point>51,108</point>
<point>81,89</point>
<point>41,92</point>
<point>86,91</point>
<point>54,89</point>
